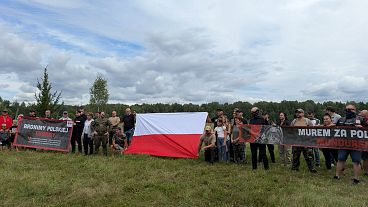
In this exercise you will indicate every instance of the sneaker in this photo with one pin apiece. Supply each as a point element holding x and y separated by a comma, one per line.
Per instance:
<point>332,165</point>
<point>355,181</point>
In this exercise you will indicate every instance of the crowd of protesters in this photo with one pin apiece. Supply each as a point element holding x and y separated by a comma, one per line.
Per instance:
<point>221,140</point>
<point>90,131</point>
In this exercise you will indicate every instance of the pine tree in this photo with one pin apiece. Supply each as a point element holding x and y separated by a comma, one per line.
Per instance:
<point>45,98</point>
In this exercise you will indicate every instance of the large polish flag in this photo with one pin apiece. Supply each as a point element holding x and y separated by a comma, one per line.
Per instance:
<point>168,134</point>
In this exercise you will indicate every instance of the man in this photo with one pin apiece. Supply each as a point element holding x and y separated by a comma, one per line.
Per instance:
<point>48,114</point>
<point>115,121</point>
<point>100,127</point>
<point>332,112</point>
<point>129,123</point>
<point>315,122</point>
<point>77,131</point>
<point>300,120</point>
<point>219,113</point>
<point>83,115</point>
<point>6,119</point>
<point>209,140</point>
<point>257,119</point>
<point>65,117</point>
<point>350,119</point>
<point>32,113</point>
<point>119,141</point>
<point>364,114</point>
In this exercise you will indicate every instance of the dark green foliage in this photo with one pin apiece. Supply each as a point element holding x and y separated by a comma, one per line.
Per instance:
<point>45,98</point>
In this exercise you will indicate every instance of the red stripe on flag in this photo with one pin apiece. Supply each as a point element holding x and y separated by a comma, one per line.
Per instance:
<point>167,145</point>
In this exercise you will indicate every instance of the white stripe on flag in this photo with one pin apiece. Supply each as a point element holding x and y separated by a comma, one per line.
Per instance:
<point>170,123</point>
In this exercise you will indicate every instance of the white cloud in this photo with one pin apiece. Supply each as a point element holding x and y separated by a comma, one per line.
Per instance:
<point>189,51</point>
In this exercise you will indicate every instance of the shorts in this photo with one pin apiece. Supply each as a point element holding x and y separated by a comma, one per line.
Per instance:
<point>354,154</point>
<point>364,155</point>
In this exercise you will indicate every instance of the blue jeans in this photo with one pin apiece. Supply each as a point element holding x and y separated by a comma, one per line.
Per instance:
<point>221,148</point>
<point>129,135</point>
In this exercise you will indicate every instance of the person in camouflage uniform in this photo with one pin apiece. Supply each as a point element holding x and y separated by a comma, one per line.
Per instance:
<point>100,127</point>
<point>300,120</point>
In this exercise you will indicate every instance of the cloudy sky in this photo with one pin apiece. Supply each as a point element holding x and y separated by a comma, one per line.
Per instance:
<point>186,51</point>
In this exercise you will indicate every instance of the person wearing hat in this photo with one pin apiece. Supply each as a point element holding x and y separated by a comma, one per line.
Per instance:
<point>209,140</point>
<point>65,117</point>
<point>6,119</point>
<point>301,120</point>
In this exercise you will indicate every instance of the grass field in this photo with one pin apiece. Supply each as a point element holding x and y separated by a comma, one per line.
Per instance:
<point>30,178</point>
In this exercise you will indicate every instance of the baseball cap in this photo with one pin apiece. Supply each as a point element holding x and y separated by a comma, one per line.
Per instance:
<point>65,112</point>
<point>208,128</point>
<point>299,110</point>
<point>5,110</point>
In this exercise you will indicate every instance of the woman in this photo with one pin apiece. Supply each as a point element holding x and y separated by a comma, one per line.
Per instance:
<point>229,150</point>
<point>330,154</point>
<point>87,135</point>
<point>238,146</point>
<point>221,141</point>
<point>284,150</point>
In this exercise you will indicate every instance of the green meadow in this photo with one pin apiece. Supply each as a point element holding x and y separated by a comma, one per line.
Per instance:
<point>40,178</point>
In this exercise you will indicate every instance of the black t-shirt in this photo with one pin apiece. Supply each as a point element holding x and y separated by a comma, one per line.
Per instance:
<point>258,121</point>
<point>129,122</point>
<point>79,124</point>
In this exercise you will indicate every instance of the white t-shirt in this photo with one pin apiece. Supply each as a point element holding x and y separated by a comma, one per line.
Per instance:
<point>220,131</point>
<point>87,127</point>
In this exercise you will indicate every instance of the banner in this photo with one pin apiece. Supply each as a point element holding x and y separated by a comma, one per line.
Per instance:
<point>48,134</point>
<point>168,134</point>
<point>318,136</point>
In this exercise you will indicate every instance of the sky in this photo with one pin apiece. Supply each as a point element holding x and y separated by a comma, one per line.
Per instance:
<point>191,51</point>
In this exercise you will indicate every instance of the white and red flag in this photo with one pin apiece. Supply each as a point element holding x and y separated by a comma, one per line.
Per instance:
<point>168,134</point>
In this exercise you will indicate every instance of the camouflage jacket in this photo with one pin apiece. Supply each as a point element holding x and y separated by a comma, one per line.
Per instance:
<point>101,125</point>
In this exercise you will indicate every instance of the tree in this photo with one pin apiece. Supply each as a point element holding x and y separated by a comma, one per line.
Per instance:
<point>99,94</point>
<point>45,98</point>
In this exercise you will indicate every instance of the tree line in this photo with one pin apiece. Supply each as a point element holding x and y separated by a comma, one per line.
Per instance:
<point>273,108</point>
<point>99,94</point>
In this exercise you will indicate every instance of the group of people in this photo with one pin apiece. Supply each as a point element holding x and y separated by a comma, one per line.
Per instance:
<point>221,140</point>
<point>90,131</point>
